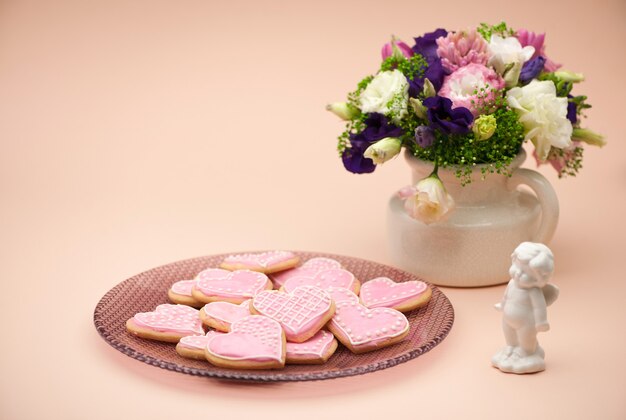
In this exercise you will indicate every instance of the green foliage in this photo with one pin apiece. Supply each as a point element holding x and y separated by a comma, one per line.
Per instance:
<point>571,158</point>
<point>581,105</point>
<point>464,151</point>
<point>356,125</point>
<point>411,67</point>
<point>501,29</point>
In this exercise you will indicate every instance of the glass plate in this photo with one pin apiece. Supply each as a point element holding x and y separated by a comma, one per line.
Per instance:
<point>429,325</point>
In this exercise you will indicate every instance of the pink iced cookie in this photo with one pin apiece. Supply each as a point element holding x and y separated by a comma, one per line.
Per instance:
<point>217,285</point>
<point>180,292</point>
<point>193,346</point>
<point>308,269</point>
<point>301,313</point>
<point>339,294</point>
<point>382,292</point>
<point>336,277</point>
<point>263,262</point>
<point>221,315</point>
<point>166,323</point>
<point>362,329</point>
<point>255,342</point>
<point>315,350</point>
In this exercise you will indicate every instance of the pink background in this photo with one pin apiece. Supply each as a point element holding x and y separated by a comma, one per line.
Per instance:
<point>137,133</point>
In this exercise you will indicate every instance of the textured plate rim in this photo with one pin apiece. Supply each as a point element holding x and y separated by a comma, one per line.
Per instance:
<point>276,376</point>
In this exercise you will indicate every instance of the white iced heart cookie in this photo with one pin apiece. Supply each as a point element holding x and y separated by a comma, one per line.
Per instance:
<point>382,292</point>
<point>263,262</point>
<point>217,285</point>
<point>166,323</point>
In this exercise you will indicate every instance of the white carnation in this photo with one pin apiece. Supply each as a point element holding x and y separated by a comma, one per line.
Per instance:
<point>543,115</point>
<point>387,94</point>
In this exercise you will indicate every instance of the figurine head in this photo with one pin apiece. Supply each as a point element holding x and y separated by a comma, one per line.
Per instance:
<point>533,264</point>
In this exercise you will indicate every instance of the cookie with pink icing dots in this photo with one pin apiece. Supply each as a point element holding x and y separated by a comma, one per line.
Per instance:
<point>180,292</point>
<point>166,323</point>
<point>310,268</point>
<point>335,277</point>
<point>301,313</point>
<point>192,347</point>
<point>315,350</point>
<point>263,262</point>
<point>217,285</point>
<point>254,342</point>
<point>221,315</point>
<point>361,329</point>
<point>382,292</point>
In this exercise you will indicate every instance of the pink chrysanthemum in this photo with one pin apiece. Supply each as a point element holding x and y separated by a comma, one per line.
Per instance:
<point>461,48</point>
<point>527,38</point>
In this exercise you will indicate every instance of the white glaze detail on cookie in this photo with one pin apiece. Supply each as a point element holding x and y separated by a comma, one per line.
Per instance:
<point>261,259</point>
<point>309,269</point>
<point>183,287</point>
<point>298,311</point>
<point>316,346</point>
<point>239,284</point>
<point>227,312</point>
<point>198,342</point>
<point>368,326</point>
<point>179,319</point>
<point>339,294</point>
<point>255,338</point>
<point>384,292</point>
<point>336,277</point>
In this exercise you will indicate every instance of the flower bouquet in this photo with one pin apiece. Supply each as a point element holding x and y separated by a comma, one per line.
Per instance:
<point>460,99</point>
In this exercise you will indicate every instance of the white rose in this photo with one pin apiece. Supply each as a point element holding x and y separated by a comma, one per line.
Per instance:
<point>387,93</point>
<point>431,202</point>
<point>508,51</point>
<point>543,115</point>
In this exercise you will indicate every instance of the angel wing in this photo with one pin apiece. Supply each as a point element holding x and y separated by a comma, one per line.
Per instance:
<point>550,293</point>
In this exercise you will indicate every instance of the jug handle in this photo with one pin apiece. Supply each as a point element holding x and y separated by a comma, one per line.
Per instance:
<point>547,199</point>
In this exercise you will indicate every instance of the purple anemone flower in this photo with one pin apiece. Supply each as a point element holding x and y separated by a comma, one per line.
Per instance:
<point>531,69</point>
<point>377,128</point>
<point>424,136</point>
<point>427,46</point>
<point>446,119</point>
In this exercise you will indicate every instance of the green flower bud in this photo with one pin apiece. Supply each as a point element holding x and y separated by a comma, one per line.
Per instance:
<point>511,74</point>
<point>344,110</point>
<point>588,136</point>
<point>383,150</point>
<point>418,108</point>
<point>429,89</point>
<point>568,76</point>
<point>484,127</point>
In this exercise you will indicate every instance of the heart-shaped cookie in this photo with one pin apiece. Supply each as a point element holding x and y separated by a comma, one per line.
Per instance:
<point>382,292</point>
<point>362,329</point>
<point>335,277</point>
<point>166,323</point>
<point>221,315</point>
<point>255,342</point>
<point>215,284</point>
<point>339,294</point>
<point>180,292</point>
<point>309,269</point>
<point>264,262</point>
<point>301,313</point>
<point>193,346</point>
<point>315,350</point>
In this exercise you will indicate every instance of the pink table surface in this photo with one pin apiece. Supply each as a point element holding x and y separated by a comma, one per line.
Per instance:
<point>139,133</point>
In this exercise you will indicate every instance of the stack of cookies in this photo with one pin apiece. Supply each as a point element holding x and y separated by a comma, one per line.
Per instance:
<point>265,310</point>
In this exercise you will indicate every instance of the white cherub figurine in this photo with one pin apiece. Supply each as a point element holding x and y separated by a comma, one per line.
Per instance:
<point>524,309</point>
